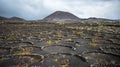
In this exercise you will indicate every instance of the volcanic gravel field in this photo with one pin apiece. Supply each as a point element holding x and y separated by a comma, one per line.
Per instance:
<point>59,45</point>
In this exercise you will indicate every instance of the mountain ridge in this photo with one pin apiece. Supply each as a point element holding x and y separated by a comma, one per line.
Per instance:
<point>11,19</point>
<point>17,18</point>
<point>61,16</point>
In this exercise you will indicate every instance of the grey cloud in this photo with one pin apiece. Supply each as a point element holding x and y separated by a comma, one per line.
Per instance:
<point>28,9</point>
<point>38,9</point>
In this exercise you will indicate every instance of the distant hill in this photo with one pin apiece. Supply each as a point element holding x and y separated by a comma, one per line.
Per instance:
<point>11,19</point>
<point>16,18</point>
<point>99,19</point>
<point>94,19</point>
<point>3,18</point>
<point>61,16</point>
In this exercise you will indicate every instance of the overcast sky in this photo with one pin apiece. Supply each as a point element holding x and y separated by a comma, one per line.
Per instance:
<point>38,9</point>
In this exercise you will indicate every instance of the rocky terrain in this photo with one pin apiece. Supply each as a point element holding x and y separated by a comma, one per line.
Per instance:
<point>60,45</point>
<point>92,42</point>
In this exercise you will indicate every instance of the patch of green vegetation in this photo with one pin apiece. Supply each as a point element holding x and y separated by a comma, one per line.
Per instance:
<point>3,59</point>
<point>93,44</point>
<point>49,42</point>
<point>13,35</point>
<point>12,38</point>
<point>1,40</point>
<point>22,51</point>
<point>79,33</point>
<point>65,62</point>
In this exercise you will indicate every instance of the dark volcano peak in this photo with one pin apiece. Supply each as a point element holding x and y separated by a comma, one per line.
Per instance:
<point>61,16</point>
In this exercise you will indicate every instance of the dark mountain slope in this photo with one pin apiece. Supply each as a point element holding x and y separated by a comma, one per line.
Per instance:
<point>61,16</point>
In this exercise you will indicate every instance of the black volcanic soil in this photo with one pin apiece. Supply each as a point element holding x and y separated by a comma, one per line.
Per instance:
<point>59,45</point>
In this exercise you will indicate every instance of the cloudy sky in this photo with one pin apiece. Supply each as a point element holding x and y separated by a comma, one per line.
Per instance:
<point>38,9</point>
